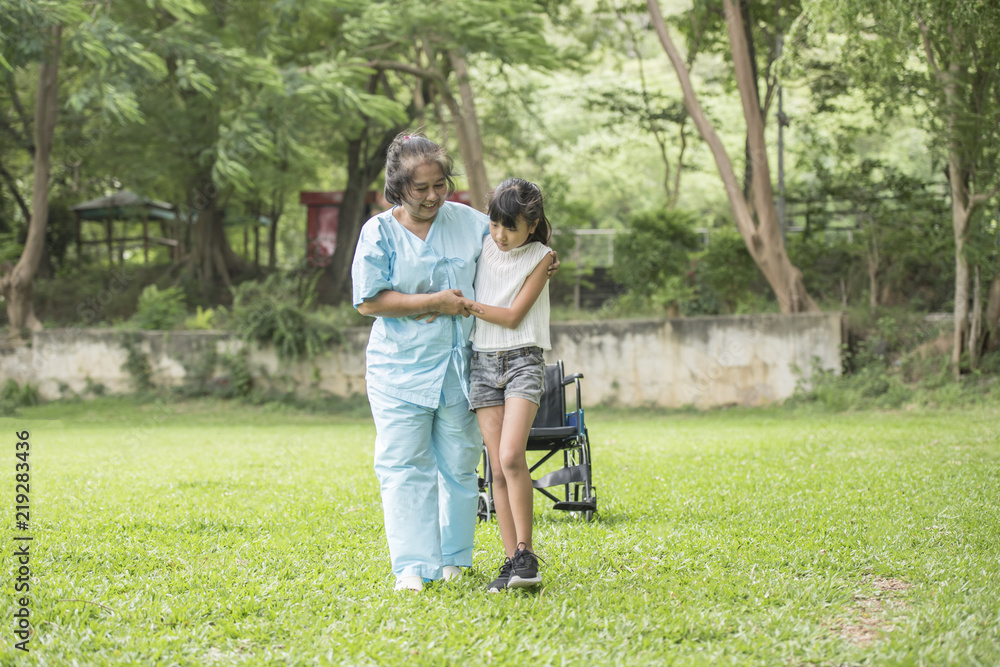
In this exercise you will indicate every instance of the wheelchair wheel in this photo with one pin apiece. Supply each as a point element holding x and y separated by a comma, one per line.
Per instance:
<point>484,512</point>
<point>485,509</point>
<point>589,490</point>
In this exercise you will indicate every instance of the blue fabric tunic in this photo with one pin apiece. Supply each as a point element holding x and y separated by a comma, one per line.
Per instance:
<point>409,358</point>
<point>427,441</point>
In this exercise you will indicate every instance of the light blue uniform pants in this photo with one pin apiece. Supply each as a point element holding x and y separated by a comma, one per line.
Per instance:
<point>425,461</point>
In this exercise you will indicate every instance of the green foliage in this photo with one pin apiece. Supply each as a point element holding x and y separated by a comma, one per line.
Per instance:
<point>653,257</point>
<point>888,388</point>
<point>92,295</point>
<point>10,250</point>
<point>136,362</point>
<point>280,311</point>
<point>891,362</point>
<point>833,267</point>
<point>13,397</point>
<point>93,388</point>
<point>726,279</point>
<point>204,319</point>
<point>159,309</point>
<point>238,383</point>
<point>865,214</point>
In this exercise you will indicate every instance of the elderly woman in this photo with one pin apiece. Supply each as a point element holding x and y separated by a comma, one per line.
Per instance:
<point>419,258</point>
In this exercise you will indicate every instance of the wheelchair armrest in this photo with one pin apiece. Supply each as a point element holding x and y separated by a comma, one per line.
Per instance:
<point>571,378</point>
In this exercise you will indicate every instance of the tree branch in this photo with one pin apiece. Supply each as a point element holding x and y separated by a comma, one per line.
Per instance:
<point>925,38</point>
<point>25,125</point>
<point>741,212</point>
<point>407,68</point>
<point>14,134</point>
<point>982,197</point>
<point>12,185</point>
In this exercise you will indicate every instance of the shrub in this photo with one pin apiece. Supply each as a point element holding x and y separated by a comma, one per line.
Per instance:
<point>657,250</point>
<point>159,309</point>
<point>13,396</point>
<point>280,311</point>
<point>892,364</point>
<point>204,319</point>
<point>136,363</point>
<point>726,279</point>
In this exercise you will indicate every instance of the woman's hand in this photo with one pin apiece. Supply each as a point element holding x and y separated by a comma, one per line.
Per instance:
<point>554,266</point>
<point>450,302</point>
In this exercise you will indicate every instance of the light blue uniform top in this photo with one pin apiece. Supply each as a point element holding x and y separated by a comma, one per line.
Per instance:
<point>409,358</point>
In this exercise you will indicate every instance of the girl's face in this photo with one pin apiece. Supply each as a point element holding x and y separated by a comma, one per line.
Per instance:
<point>427,193</point>
<point>508,239</point>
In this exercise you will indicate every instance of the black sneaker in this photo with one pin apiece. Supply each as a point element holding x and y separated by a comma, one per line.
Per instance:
<point>525,569</point>
<point>500,583</point>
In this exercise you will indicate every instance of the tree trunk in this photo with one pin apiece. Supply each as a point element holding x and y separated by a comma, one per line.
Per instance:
<point>961,336</point>
<point>873,266</point>
<point>748,36</point>
<point>470,141</point>
<point>275,212</point>
<point>963,203</point>
<point>975,327</point>
<point>18,287</point>
<point>763,237</point>
<point>363,166</point>
<point>992,319</point>
<point>211,260</point>
<point>272,245</point>
<point>961,213</point>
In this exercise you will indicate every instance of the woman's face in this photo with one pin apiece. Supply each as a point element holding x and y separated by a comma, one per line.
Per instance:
<point>427,193</point>
<point>508,239</point>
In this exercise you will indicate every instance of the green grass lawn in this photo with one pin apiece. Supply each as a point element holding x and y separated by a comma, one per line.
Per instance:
<point>217,533</point>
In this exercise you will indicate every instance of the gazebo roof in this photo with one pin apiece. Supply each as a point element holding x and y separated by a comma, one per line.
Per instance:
<point>124,205</point>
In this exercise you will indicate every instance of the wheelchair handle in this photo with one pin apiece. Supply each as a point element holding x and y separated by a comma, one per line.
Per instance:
<point>571,378</point>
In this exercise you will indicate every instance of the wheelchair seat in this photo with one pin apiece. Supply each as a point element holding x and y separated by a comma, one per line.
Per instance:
<point>555,431</point>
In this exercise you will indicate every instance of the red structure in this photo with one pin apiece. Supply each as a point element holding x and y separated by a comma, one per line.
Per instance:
<point>323,217</point>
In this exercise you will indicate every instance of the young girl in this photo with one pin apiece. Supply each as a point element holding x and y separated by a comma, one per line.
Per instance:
<point>507,373</point>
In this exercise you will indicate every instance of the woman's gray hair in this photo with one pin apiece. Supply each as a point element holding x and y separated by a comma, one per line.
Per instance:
<point>408,151</point>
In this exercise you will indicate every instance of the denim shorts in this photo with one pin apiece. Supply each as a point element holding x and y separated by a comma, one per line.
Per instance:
<point>496,376</point>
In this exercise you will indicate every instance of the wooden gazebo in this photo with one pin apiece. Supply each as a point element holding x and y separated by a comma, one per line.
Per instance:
<point>125,206</point>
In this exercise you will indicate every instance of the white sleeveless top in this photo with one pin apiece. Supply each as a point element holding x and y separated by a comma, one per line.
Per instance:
<point>499,278</point>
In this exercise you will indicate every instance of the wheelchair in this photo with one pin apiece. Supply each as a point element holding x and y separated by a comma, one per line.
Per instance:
<point>554,431</point>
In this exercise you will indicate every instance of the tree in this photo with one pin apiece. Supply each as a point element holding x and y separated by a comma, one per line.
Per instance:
<point>18,287</point>
<point>650,109</point>
<point>959,86</point>
<point>658,246</point>
<point>963,53</point>
<point>760,227</point>
<point>365,160</point>
<point>253,98</point>
<point>39,38</point>
<point>436,44</point>
<point>423,66</point>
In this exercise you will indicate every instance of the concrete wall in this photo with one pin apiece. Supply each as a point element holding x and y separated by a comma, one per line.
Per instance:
<point>700,361</point>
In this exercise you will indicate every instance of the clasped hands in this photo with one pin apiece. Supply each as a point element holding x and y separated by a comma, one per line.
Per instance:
<point>451,301</point>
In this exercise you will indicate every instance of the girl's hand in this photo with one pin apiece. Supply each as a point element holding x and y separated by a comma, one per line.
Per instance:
<point>450,302</point>
<point>554,266</point>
